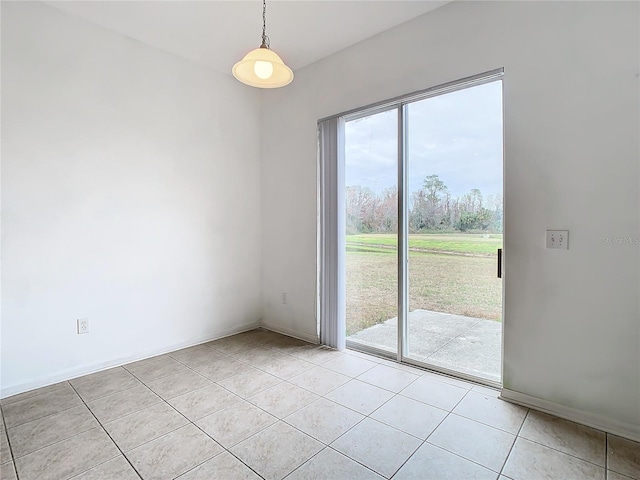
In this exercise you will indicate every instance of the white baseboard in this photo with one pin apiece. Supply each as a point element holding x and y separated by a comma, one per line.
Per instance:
<point>593,420</point>
<point>70,374</point>
<point>291,333</point>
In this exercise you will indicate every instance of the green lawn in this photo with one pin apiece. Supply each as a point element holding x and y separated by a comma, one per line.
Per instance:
<point>458,243</point>
<point>461,280</point>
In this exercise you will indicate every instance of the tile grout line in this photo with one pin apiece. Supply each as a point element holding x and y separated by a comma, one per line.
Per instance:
<point>408,458</point>
<point>328,446</point>
<point>114,367</point>
<point>198,427</point>
<point>305,462</point>
<point>40,418</point>
<point>144,443</point>
<point>561,452</point>
<point>305,406</point>
<point>279,419</point>
<point>142,384</point>
<point>354,460</point>
<point>6,432</point>
<point>421,439</point>
<point>485,424</point>
<point>514,442</point>
<point>225,449</point>
<point>187,419</point>
<point>386,389</point>
<point>3,402</point>
<point>279,378</point>
<point>149,359</point>
<point>517,435</point>
<point>214,382</point>
<point>189,422</point>
<point>395,394</point>
<point>461,457</point>
<point>175,409</point>
<point>339,436</point>
<point>322,395</point>
<point>325,445</point>
<point>62,439</point>
<point>108,395</point>
<point>557,450</point>
<point>110,438</point>
<point>422,442</point>
<point>606,456</point>
<point>269,373</point>
<point>500,429</point>
<point>426,441</point>
<point>138,411</point>
<point>450,412</point>
<point>256,433</point>
<point>349,408</point>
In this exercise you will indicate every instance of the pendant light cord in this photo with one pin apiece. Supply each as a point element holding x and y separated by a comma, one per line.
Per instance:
<point>265,39</point>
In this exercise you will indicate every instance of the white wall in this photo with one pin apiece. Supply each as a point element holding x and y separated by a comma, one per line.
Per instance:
<point>130,193</point>
<point>572,331</point>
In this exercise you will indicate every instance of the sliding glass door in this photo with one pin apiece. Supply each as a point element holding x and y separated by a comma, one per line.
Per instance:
<point>423,183</point>
<point>454,204</point>
<point>371,233</point>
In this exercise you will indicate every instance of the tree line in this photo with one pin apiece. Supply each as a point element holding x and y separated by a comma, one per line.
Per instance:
<point>431,209</point>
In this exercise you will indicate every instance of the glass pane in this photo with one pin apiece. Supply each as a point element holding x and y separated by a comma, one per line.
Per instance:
<point>371,173</point>
<point>454,155</point>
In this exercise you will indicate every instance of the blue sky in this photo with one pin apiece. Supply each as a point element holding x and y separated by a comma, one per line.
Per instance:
<point>457,136</point>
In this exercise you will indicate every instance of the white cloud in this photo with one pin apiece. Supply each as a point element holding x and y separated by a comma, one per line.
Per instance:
<point>457,136</point>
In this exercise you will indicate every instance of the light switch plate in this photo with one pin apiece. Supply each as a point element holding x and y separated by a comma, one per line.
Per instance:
<point>558,239</point>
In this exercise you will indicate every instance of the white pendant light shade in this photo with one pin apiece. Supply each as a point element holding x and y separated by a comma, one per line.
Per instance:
<point>262,68</point>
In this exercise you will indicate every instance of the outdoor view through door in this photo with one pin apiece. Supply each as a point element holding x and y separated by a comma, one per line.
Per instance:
<point>446,182</point>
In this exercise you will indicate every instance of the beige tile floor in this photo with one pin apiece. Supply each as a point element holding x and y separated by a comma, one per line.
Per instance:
<point>262,405</point>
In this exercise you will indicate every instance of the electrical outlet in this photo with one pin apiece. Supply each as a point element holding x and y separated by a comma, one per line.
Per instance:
<point>558,239</point>
<point>83,325</point>
<point>284,298</point>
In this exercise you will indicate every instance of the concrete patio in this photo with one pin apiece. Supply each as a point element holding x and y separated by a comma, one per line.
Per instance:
<point>465,344</point>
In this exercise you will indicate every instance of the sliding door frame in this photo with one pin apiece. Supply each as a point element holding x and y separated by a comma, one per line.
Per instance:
<point>400,104</point>
<point>403,235</point>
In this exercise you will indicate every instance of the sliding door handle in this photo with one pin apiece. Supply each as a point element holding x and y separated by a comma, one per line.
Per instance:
<point>499,263</point>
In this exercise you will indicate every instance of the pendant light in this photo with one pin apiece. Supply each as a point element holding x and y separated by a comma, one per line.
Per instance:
<point>262,67</point>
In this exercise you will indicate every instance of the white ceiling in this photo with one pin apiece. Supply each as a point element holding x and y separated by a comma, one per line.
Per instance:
<point>218,33</point>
